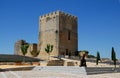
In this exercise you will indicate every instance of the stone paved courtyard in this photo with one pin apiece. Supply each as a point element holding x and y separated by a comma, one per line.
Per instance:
<point>41,74</point>
<point>55,72</point>
<point>37,74</point>
<point>47,72</point>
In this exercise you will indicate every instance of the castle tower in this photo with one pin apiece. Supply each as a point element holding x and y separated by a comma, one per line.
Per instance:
<point>17,47</point>
<point>60,30</point>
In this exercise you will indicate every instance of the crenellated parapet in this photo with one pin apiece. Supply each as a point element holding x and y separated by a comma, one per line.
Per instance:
<point>52,14</point>
<point>57,13</point>
<point>67,15</point>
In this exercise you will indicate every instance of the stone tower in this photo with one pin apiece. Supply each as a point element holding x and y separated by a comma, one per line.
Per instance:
<point>17,47</point>
<point>60,30</point>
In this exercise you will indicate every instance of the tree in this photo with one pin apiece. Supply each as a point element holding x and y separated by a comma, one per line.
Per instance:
<point>114,59</point>
<point>82,52</point>
<point>49,49</point>
<point>91,56</point>
<point>97,58</point>
<point>112,53</point>
<point>113,56</point>
<point>24,49</point>
<point>35,53</point>
<point>86,52</point>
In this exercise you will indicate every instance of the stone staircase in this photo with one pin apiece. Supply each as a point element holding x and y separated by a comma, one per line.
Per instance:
<point>101,70</point>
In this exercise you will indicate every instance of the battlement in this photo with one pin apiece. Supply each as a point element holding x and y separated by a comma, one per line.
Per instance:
<point>67,15</point>
<point>57,13</point>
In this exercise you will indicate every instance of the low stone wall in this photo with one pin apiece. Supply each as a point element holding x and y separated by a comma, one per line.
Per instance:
<point>56,63</point>
<point>18,68</point>
<point>70,64</point>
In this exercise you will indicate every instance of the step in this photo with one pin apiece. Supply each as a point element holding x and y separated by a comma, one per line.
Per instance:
<point>101,70</point>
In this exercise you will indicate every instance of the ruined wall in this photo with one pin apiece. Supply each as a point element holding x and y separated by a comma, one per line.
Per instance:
<point>32,47</point>
<point>17,48</point>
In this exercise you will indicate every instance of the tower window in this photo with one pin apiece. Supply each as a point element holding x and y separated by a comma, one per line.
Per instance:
<point>68,34</point>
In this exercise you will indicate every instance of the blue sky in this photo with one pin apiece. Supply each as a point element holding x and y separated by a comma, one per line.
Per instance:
<point>98,23</point>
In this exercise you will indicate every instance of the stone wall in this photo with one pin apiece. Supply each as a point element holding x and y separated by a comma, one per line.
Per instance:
<point>32,48</point>
<point>58,29</point>
<point>68,35</point>
<point>54,29</point>
<point>48,26</point>
<point>18,44</point>
<point>17,47</point>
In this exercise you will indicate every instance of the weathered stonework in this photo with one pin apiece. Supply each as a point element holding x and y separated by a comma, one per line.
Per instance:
<point>18,44</point>
<point>17,47</point>
<point>60,30</point>
<point>32,47</point>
